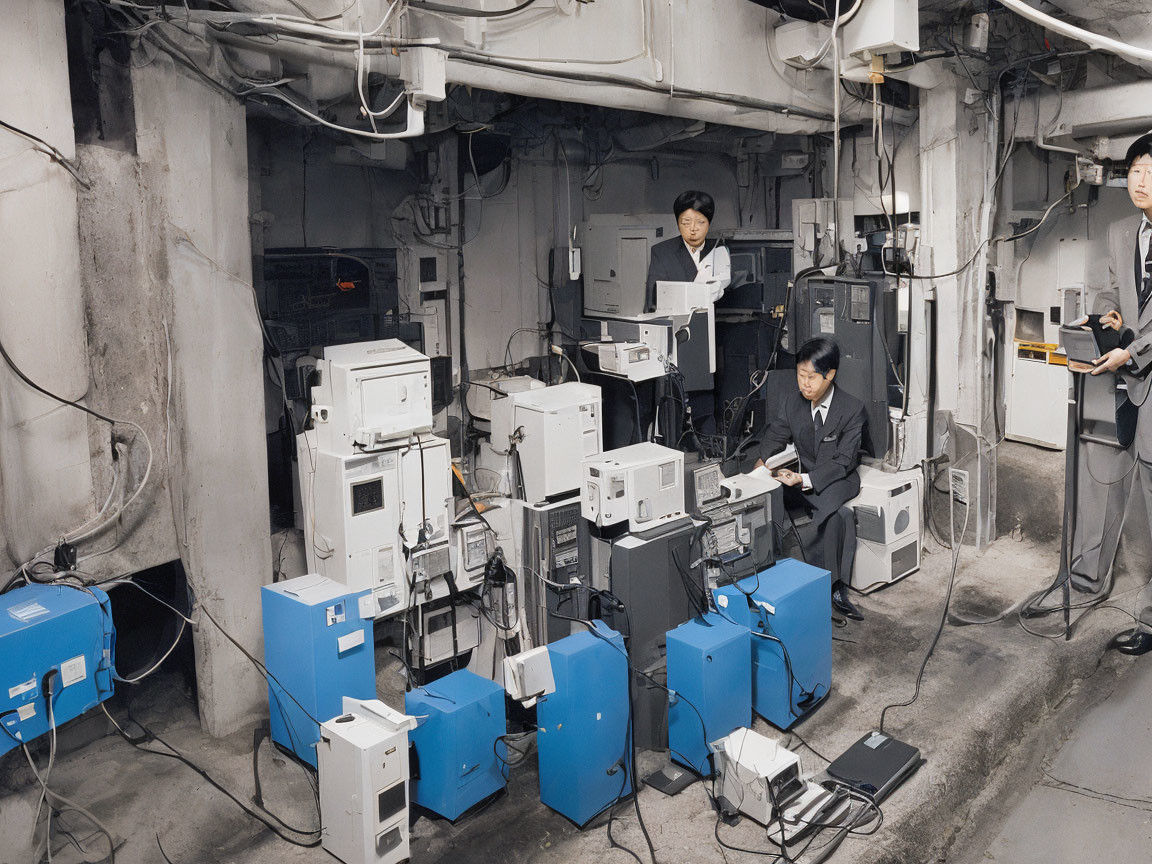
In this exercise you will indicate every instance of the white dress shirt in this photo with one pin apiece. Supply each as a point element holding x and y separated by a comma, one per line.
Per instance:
<point>715,268</point>
<point>821,408</point>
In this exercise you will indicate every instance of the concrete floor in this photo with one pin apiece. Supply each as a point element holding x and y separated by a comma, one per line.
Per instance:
<point>989,695</point>
<point>1090,800</point>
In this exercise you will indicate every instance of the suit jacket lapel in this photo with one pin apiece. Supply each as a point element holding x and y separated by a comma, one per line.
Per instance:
<point>685,263</point>
<point>1138,277</point>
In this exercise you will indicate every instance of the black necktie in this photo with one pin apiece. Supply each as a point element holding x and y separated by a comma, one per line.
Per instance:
<point>818,423</point>
<point>1144,288</point>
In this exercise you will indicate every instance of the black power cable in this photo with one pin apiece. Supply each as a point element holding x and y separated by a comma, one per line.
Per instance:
<point>421,6</point>
<point>280,825</point>
<point>20,374</point>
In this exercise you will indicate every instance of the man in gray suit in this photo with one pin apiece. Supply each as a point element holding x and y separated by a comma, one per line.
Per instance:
<point>828,426</point>
<point>1130,270</point>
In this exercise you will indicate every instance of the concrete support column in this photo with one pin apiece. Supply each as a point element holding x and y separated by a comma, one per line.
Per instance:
<point>45,479</point>
<point>955,152</point>
<point>192,146</point>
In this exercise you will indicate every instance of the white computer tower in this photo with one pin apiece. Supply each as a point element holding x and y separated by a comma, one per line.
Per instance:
<point>888,526</point>
<point>362,760</point>
<point>550,431</point>
<point>379,521</point>
<point>368,394</point>
<point>642,485</point>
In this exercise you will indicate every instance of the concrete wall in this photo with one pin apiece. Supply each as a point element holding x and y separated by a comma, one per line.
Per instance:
<point>45,479</point>
<point>194,168</point>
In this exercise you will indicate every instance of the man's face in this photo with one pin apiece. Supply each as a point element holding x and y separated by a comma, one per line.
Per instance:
<point>812,384</point>
<point>1140,182</point>
<point>693,227</point>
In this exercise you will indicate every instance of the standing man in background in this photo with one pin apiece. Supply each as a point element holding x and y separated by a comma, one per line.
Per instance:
<point>692,257</point>
<point>1130,272</point>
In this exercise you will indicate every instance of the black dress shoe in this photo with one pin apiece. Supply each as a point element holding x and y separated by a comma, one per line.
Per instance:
<point>843,605</point>
<point>1135,642</point>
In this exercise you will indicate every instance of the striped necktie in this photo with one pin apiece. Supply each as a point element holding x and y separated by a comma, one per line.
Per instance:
<point>1144,288</point>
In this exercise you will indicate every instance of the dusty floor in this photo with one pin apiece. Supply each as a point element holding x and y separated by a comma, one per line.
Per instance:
<point>987,693</point>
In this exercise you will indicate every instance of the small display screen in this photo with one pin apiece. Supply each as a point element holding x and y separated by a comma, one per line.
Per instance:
<point>367,496</point>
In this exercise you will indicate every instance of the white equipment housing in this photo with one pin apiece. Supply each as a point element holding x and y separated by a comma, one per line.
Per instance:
<point>636,361</point>
<point>528,675</point>
<point>370,392</point>
<point>888,528</point>
<point>617,249</point>
<point>681,300</point>
<point>642,484</point>
<point>362,757</point>
<point>481,396</point>
<point>748,764</point>
<point>553,429</point>
<point>362,511</point>
<point>472,546</point>
<point>436,643</point>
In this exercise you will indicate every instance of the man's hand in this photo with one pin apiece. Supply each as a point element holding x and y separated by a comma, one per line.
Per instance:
<point>1112,320</point>
<point>788,478</point>
<point>1111,361</point>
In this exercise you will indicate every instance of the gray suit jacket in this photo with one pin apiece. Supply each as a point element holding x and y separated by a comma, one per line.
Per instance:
<point>1125,268</point>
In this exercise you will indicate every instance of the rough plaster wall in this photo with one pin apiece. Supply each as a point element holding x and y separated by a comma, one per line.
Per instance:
<point>194,166</point>
<point>45,482</point>
<point>127,303</point>
<point>953,153</point>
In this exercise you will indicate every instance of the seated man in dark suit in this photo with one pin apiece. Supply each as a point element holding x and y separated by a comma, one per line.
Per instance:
<point>828,426</point>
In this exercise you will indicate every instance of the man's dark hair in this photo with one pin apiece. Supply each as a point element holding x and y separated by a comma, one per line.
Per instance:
<point>701,202</point>
<point>822,351</point>
<point>1142,146</point>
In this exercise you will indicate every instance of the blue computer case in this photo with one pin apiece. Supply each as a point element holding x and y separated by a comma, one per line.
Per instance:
<point>799,614</point>
<point>46,627</point>
<point>457,742</point>
<point>583,733</point>
<point>317,647</point>
<point>710,676</point>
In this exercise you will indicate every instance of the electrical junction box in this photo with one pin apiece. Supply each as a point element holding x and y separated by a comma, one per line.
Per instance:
<point>363,772</point>
<point>369,393</point>
<point>642,484</point>
<point>380,521</point>
<point>791,602</point>
<point>757,775</point>
<point>458,744</point>
<point>46,628</point>
<point>551,430</point>
<point>883,27</point>
<point>318,648</point>
<point>528,675</point>
<point>710,679</point>
<point>887,513</point>
<point>472,546</point>
<point>583,735</point>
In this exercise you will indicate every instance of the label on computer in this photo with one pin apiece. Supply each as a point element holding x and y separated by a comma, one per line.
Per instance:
<point>22,688</point>
<point>27,611</point>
